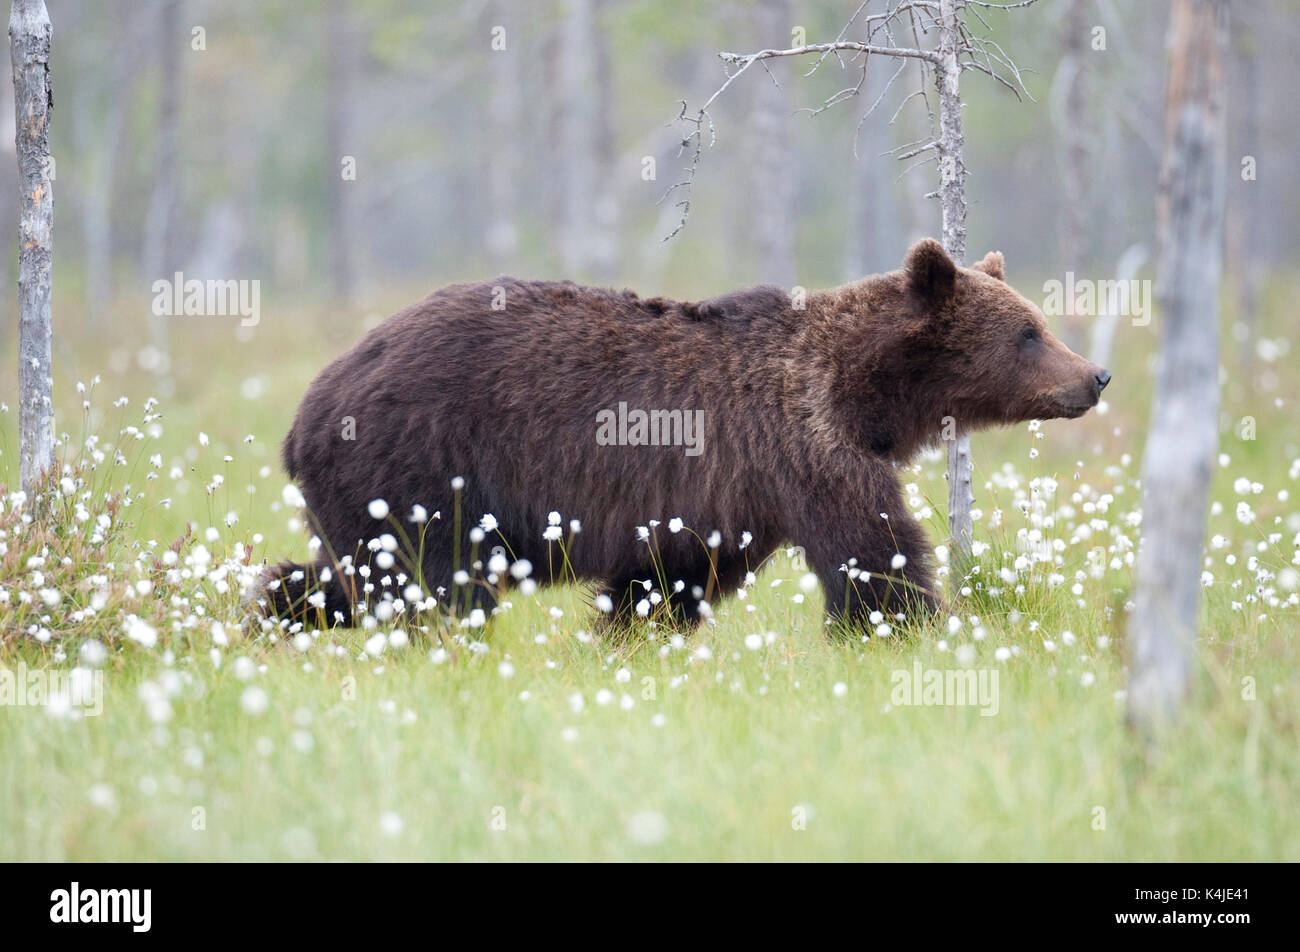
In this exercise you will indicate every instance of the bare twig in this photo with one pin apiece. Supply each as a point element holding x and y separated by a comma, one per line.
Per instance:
<point>881,38</point>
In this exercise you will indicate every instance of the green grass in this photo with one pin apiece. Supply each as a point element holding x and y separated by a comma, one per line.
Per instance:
<point>734,752</point>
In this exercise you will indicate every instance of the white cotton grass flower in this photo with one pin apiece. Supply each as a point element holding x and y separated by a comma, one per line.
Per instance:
<point>898,561</point>
<point>140,631</point>
<point>390,824</point>
<point>840,689</point>
<point>93,653</point>
<point>488,523</point>
<point>254,700</point>
<point>647,827</point>
<point>675,525</point>
<point>418,514</point>
<point>378,509</point>
<point>101,795</point>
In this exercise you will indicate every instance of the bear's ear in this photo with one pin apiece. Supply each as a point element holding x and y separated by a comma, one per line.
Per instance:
<point>930,272</point>
<point>992,265</point>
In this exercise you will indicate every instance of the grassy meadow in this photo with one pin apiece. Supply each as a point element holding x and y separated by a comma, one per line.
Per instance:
<point>760,737</point>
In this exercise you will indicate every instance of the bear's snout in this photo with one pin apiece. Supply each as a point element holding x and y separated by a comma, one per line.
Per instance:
<point>1101,378</point>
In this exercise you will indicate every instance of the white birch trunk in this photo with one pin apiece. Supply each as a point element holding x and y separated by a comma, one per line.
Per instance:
<point>952,201</point>
<point>29,48</point>
<point>1179,457</point>
<point>576,124</point>
<point>501,234</point>
<point>773,168</point>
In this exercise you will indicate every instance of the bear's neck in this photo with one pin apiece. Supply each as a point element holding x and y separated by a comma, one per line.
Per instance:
<point>857,378</point>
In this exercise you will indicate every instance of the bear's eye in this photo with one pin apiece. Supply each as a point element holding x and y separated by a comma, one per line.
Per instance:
<point>1029,336</point>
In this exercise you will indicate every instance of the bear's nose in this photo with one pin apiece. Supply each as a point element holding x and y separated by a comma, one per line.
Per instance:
<point>1102,379</point>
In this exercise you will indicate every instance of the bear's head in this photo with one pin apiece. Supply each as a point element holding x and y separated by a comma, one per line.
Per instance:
<point>989,351</point>
<point>916,356</point>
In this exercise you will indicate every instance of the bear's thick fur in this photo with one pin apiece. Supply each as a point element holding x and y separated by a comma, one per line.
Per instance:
<point>806,411</point>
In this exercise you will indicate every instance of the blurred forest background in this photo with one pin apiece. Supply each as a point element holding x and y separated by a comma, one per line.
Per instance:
<point>209,137</point>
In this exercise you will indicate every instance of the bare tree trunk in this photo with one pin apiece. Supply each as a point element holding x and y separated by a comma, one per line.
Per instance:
<point>1072,123</point>
<point>158,255</point>
<point>501,233</point>
<point>339,67</point>
<point>29,47</point>
<point>773,158</point>
<point>1103,328</point>
<point>1178,460</point>
<point>1243,206</point>
<point>605,252</point>
<point>576,124</point>
<point>952,200</point>
<point>101,175</point>
<point>920,205</point>
<point>875,235</point>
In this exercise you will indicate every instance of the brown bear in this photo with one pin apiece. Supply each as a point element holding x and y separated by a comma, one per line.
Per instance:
<point>753,418</point>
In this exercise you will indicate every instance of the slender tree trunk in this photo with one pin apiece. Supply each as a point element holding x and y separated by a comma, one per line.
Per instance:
<point>504,114</point>
<point>339,68</point>
<point>99,118</point>
<point>1072,120</point>
<point>952,200</point>
<point>1243,205</point>
<point>605,252</point>
<point>576,124</point>
<point>876,235</point>
<point>773,197</point>
<point>920,207</point>
<point>1103,328</point>
<point>158,256</point>
<point>29,47</point>
<point>1180,450</point>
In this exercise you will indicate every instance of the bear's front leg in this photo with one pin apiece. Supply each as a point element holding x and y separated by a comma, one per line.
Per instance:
<point>880,539</point>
